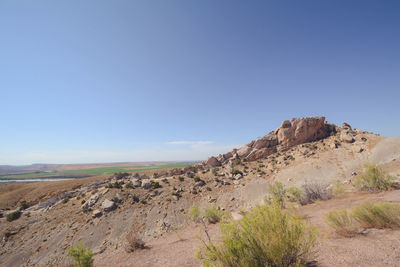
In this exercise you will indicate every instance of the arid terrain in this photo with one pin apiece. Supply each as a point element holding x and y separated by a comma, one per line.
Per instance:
<point>101,211</point>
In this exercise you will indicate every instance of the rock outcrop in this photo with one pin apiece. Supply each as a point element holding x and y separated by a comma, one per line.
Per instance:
<point>290,133</point>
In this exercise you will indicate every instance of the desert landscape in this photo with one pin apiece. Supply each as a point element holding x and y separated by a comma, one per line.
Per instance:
<point>104,211</point>
<point>206,133</point>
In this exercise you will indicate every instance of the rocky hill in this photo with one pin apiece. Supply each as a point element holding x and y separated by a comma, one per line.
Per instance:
<point>153,206</point>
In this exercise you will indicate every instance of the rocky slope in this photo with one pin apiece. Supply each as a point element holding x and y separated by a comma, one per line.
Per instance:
<point>105,211</point>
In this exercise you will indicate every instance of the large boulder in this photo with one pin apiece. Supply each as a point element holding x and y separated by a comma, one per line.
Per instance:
<point>213,162</point>
<point>302,130</point>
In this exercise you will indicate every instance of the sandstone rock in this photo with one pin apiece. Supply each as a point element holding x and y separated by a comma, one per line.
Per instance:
<point>237,176</point>
<point>90,203</point>
<point>108,205</point>
<point>96,213</point>
<point>213,162</point>
<point>136,183</point>
<point>346,126</point>
<point>346,137</point>
<point>146,184</point>
<point>357,149</point>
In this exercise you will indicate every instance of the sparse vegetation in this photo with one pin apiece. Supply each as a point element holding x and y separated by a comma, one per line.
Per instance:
<point>338,188</point>
<point>133,242</point>
<point>81,254</point>
<point>128,184</point>
<point>212,214</point>
<point>196,179</point>
<point>314,191</point>
<point>367,215</point>
<point>277,193</point>
<point>295,194</point>
<point>181,178</point>
<point>342,222</point>
<point>266,236</point>
<point>13,215</point>
<point>378,215</point>
<point>155,185</point>
<point>24,205</point>
<point>373,179</point>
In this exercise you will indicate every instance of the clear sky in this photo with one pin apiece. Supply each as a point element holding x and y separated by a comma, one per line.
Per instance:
<point>103,81</point>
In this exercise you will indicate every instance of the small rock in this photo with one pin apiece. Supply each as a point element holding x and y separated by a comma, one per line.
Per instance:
<point>108,205</point>
<point>96,213</point>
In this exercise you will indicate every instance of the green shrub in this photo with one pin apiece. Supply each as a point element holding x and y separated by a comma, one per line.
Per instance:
<point>235,172</point>
<point>314,191</point>
<point>338,188</point>
<point>295,194</point>
<point>197,179</point>
<point>181,178</point>
<point>65,200</point>
<point>13,215</point>
<point>128,184</point>
<point>373,179</point>
<point>82,255</point>
<point>212,214</point>
<point>24,205</point>
<point>277,193</point>
<point>378,215</point>
<point>156,185</point>
<point>83,201</point>
<point>342,222</point>
<point>266,236</point>
<point>194,213</point>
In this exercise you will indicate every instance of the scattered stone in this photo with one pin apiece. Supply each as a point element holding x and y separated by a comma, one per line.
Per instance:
<point>96,213</point>
<point>345,137</point>
<point>212,162</point>
<point>108,205</point>
<point>237,176</point>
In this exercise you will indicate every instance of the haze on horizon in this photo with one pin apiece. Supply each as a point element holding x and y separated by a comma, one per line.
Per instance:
<point>124,81</point>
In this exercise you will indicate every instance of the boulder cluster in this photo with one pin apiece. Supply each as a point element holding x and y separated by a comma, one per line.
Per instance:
<point>290,133</point>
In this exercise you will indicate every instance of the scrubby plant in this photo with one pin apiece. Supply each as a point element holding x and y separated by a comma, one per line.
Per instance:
<point>133,242</point>
<point>194,213</point>
<point>65,200</point>
<point>81,254</point>
<point>338,188</point>
<point>314,191</point>
<point>266,236</point>
<point>378,215</point>
<point>277,193</point>
<point>212,214</point>
<point>373,179</point>
<point>295,194</point>
<point>83,201</point>
<point>196,179</point>
<point>235,172</point>
<point>24,205</point>
<point>181,178</point>
<point>156,185</point>
<point>128,184</point>
<point>13,215</point>
<point>342,222</point>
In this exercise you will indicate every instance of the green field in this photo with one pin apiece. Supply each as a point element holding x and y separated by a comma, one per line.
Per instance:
<point>93,171</point>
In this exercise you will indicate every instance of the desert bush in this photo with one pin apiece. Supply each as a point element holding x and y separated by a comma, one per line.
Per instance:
<point>235,172</point>
<point>266,236</point>
<point>342,222</point>
<point>315,191</point>
<point>194,213</point>
<point>24,205</point>
<point>196,179</point>
<point>133,242</point>
<point>82,255</point>
<point>156,185</point>
<point>378,215</point>
<point>373,179</point>
<point>212,214</point>
<point>181,178</point>
<point>277,193</point>
<point>128,184</point>
<point>13,215</point>
<point>295,194</point>
<point>338,188</point>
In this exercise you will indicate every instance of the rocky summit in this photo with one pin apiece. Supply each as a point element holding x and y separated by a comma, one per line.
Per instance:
<point>290,133</point>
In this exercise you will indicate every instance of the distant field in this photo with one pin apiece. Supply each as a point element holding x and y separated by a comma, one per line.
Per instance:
<point>81,173</point>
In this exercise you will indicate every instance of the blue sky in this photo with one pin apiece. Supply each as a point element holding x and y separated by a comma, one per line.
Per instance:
<point>103,81</point>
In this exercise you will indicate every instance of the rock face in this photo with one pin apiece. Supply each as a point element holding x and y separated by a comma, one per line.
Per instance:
<point>290,133</point>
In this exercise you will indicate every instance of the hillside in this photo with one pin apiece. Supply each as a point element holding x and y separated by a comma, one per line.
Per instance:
<point>153,205</point>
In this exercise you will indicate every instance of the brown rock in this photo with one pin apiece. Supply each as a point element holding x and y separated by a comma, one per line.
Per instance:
<point>213,162</point>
